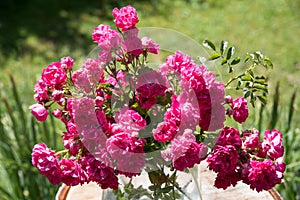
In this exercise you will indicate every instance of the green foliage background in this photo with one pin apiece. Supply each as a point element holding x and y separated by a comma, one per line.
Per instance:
<point>34,33</point>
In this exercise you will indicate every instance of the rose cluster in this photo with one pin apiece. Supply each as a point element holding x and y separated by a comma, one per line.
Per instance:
<point>116,110</point>
<point>243,157</point>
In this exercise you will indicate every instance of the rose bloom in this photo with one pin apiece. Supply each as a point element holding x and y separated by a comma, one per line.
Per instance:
<point>106,38</point>
<point>125,18</point>
<point>168,129</point>
<point>224,158</point>
<point>193,155</point>
<point>130,120</point>
<point>72,174</point>
<point>67,62</point>
<point>272,144</point>
<point>99,170</point>
<point>133,46</point>
<point>224,179</point>
<point>185,151</point>
<point>229,136</point>
<point>209,93</point>
<point>263,175</point>
<point>128,153</point>
<point>41,92</point>
<point>149,45</point>
<point>45,160</point>
<point>39,112</point>
<point>240,109</point>
<point>57,113</point>
<point>54,76</point>
<point>251,139</point>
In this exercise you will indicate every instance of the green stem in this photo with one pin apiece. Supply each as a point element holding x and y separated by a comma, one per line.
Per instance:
<point>234,78</point>
<point>180,190</point>
<point>62,152</point>
<point>174,179</point>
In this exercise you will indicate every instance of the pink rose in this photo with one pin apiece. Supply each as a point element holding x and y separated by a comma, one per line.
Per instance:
<point>184,151</point>
<point>39,112</point>
<point>106,38</point>
<point>263,175</point>
<point>46,161</point>
<point>57,95</point>
<point>67,63</point>
<point>224,179</point>
<point>125,18</point>
<point>251,139</point>
<point>130,120</point>
<point>193,155</point>
<point>99,170</point>
<point>228,99</point>
<point>169,128</point>
<point>229,136</point>
<point>41,91</point>
<point>57,113</point>
<point>128,152</point>
<point>209,93</point>
<point>240,109</point>
<point>133,45</point>
<point>151,88</point>
<point>280,165</point>
<point>147,94</point>
<point>54,76</point>
<point>72,174</point>
<point>272,144</point>
<point>223,159</point>
<point>149,45</point>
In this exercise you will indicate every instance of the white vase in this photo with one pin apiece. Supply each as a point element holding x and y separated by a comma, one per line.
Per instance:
<point>203,182</point>
<point>189,185</point>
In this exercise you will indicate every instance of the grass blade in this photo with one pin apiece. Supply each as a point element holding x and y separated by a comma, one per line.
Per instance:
<point>291,111</point>
<point>274,115</point>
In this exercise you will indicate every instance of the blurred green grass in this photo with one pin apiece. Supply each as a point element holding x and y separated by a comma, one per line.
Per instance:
<point>35,33</point>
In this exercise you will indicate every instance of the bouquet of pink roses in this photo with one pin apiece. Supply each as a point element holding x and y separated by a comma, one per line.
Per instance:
<point>123,117</point>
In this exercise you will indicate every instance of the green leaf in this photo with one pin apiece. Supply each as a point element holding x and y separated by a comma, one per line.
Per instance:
<point>235,61</point>
<point>239,83</point>
<point>247,93</point>
<point>247,58</point>
<point>261,87</point>
<point>260,77</point>
<point>268,62</point>
<point>152,187</point>
<point>261,82</point>
<point>252,101</point>
<point>223,47</point>
<point>248,84</point>
<point>263,99</point>
<point>259,55</point>
<point>246,78</point>
<point>230,52</point>
<point>209,44</point>
<point>167,189</point>
<point>250,72</point>
<point>214,56</point>
<point>224,61</point>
